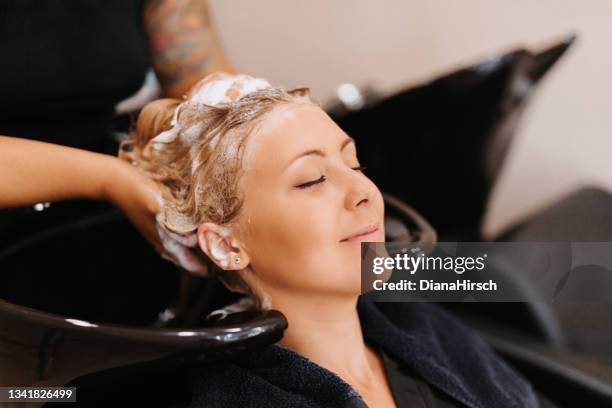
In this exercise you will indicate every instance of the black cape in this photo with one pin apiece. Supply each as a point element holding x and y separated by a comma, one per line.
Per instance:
<point>437,346</point>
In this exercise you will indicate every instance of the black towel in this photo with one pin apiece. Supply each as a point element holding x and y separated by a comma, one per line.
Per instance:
<point>422,336</point>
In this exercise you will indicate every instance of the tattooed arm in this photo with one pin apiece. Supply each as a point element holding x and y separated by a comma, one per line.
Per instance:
<point>183,42</point>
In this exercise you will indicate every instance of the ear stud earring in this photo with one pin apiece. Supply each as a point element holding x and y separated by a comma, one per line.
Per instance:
<point>237,260</point>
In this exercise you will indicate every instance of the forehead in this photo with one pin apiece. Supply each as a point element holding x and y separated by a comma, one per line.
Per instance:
<point>289,130</point>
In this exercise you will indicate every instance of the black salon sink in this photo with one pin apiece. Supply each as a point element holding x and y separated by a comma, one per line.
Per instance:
<point>97,269</point>
<point>82,291</point>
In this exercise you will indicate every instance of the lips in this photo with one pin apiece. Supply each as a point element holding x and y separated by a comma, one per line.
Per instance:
<point>366,230</point>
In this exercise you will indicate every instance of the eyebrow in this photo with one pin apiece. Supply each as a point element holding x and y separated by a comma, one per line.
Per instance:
<point>318,152</point>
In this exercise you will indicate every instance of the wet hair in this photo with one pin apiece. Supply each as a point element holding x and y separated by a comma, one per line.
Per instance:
<point>194,153</point>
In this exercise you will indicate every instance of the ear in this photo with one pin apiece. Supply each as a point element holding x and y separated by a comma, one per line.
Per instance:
<point>219,244</point>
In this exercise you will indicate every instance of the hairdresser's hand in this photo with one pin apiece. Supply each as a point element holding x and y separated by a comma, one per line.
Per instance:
<point>137,196</point>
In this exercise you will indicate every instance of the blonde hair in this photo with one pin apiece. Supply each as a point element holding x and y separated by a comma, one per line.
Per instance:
<point>194,153</point>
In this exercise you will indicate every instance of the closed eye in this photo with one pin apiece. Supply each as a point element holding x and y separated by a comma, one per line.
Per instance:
<point>323,178</point>
<point>312,183</point>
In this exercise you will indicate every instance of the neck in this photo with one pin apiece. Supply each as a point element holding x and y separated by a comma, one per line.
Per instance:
<point>327,331</point>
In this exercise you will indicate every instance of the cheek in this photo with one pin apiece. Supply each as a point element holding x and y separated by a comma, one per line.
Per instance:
<point>302,231</point>
<point>294,243</point>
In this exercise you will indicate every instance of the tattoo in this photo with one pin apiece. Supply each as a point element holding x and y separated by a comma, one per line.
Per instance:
<point>183,43</point>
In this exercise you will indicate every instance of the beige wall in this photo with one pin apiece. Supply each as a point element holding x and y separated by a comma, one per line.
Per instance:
<point>393,43</point>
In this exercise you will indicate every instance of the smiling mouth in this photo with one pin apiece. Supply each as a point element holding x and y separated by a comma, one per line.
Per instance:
<point>370,230</point>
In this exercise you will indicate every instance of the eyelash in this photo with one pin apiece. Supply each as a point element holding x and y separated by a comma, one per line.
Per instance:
<point>323,178</point>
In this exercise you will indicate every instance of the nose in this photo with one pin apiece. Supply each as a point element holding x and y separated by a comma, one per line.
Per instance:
<point>360,192</point>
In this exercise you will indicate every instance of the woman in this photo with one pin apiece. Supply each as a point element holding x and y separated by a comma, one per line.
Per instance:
<point>266,185</point>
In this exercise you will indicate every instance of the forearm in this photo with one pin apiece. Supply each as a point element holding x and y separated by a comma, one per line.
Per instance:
<point>32,171</point>
<point>184,43</point>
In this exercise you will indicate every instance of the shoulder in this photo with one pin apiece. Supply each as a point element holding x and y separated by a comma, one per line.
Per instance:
<point>225,384</point>
<point>256,378</point>
<point>429,327</point>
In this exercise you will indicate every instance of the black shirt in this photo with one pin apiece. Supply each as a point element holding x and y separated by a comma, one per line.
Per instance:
<point>65,64</point>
